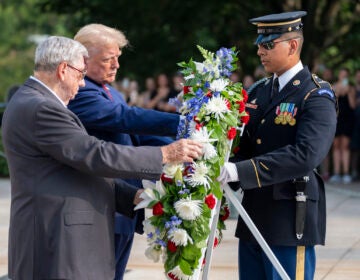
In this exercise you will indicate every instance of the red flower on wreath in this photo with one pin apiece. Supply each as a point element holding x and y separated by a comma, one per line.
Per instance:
<point>166,179</point>
<point>236,149</point>
<point>245,95</point>
<point>228,104</point>
<point>186,89</point>
<point>245,119</point>
<point>171,246</point>
<point>231,133</point>
<point>226,215</point>
<point>241,106</point>
<point>210,201</point>
<point>172,276</point>
<point>216,242</point>
<point>158,209</point>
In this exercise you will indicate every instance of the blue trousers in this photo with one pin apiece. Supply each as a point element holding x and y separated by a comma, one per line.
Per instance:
<point>298,261</point>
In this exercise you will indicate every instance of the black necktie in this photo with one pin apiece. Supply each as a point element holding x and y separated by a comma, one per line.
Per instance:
<point>275,88</point>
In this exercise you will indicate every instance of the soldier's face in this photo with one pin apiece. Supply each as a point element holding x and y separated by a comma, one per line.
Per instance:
<point>277,57</point>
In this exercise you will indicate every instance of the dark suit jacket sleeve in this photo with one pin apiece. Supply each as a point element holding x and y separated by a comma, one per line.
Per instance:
<point>124,198</point>
<point>59,133</point>
<point>97,112</point>
<point>316,130</point>
<point>148,140</point>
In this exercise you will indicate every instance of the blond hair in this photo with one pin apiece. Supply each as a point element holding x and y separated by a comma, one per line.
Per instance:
<point>93,34</point>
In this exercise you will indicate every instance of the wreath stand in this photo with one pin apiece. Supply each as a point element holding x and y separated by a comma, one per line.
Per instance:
<point>250,224</point>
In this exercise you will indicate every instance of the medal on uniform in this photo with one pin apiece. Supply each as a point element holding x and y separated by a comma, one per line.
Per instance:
<point>285,114</point>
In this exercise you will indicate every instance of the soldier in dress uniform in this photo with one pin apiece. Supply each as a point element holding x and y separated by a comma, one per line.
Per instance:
<point>291,128</point>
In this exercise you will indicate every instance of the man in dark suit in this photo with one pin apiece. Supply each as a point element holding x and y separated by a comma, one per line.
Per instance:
<point>62,207</point>
<point>105,114</point>
<point>291,128</point>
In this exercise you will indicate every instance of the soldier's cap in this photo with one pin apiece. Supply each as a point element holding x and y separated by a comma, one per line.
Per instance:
<point>271,27</point>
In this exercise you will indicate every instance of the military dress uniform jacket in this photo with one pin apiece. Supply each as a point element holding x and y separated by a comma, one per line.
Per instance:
<point>286,138</point>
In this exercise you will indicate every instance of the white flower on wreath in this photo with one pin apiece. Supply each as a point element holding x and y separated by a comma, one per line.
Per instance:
<point>177,272</point>
<point>183,110</point>
<point>219,85</point>
<point>170,169</point>
<point>180,237</point>
<point>208,67</point>
<point>217,106</point>
<point>203,136</point>
<point>199,175</point>
<point>191,76</point>
<point>148,195</point>
<point>188,209</point>
<point>153,253</point>
<point>199,67</point>
<point>148,227</point>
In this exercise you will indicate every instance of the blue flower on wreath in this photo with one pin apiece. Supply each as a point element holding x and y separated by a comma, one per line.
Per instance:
<point>226,57</point>
<point>172,224</point>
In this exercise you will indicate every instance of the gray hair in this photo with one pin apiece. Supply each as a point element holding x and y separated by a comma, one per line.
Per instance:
<point>56,49</point>
<point>93,34</point>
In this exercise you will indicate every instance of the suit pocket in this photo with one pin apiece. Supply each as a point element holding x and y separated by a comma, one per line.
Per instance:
<point>79,218</point>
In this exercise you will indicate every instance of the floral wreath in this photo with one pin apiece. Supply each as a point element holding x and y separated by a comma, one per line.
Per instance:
<point>183,201</point>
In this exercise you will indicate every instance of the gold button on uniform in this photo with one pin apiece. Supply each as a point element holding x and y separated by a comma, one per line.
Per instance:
<point>258,141</point>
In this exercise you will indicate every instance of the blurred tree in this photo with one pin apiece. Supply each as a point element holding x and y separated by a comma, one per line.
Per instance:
<point>163,32</point>
<point>22,26</point>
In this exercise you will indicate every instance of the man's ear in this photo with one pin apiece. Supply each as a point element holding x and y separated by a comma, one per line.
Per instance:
<point>61,70</point>
<point>294,45</point>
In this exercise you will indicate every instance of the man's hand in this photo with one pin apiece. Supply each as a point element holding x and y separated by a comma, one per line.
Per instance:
<point>137,198</point>
<point>228,173</point>
<point>184,150</point>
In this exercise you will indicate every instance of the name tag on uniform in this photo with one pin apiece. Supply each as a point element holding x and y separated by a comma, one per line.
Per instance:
<point>252,104</point>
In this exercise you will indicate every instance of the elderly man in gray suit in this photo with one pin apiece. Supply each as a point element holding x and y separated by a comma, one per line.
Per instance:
<point>62,207</point>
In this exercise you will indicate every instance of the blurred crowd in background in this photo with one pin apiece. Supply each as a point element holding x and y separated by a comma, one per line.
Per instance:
<point>342,163</point>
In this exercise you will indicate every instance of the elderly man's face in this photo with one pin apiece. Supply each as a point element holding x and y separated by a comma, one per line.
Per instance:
<point>74,79</point>
<point>102,65</point>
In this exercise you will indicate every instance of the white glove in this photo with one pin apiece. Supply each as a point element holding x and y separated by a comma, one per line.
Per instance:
<point>228,173</point>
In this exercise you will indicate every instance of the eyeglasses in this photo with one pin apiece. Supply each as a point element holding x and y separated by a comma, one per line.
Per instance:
<point>271,44</point>
<point>83,72</point>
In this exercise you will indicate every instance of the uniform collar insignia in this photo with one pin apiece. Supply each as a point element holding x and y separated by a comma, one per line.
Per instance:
<point>296,82</point>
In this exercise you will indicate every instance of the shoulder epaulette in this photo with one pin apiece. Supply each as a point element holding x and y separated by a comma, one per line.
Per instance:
<point>325,88</point>
<point>256,84</point>
<point>320,83</point>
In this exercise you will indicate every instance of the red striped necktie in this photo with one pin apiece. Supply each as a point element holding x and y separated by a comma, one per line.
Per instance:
<point>107,90</point>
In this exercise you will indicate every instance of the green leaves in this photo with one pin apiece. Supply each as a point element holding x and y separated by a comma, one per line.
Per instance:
<point>205,53</point>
